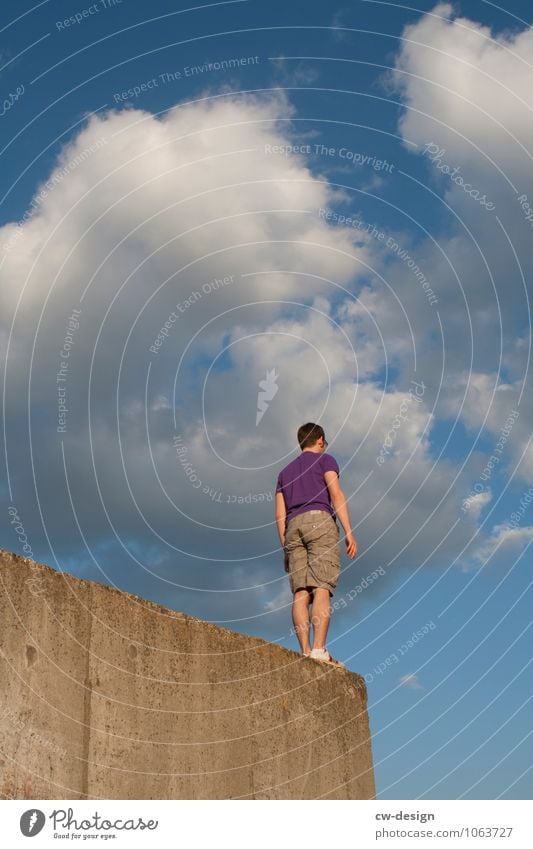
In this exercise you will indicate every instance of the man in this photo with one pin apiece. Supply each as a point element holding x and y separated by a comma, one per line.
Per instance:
<point>308,500</point>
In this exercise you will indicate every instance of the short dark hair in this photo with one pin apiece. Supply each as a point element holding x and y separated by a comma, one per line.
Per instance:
<point>309,433</point>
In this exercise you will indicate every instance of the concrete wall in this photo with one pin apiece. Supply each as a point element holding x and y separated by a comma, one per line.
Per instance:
<point>104,695</point>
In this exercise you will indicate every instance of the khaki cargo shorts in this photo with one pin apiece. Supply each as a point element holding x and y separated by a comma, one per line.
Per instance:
<point>313,549</point>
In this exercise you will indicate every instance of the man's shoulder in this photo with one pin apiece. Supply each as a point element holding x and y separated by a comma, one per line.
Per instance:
<point>289,466</point>
<point>329,463</point>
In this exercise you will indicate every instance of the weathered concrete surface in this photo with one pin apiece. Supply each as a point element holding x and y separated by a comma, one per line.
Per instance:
<point>104,695</point>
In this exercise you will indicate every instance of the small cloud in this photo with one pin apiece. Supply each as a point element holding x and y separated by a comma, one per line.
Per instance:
<point>161,403</point>
<point>299,73</point>
<point>337,25</point>
<point>375,182</point>
<point>504,538</point>
<point>477,502</point>
<point>282,600</point>
<point>411,680</point>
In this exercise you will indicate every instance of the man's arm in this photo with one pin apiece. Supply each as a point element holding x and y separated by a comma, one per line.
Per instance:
<point>340,506</point>
<point>281,514</point>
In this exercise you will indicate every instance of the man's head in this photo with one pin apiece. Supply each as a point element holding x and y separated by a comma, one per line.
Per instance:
<point>311,437</point>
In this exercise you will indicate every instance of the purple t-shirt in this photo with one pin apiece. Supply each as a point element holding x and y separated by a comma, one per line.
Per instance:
<point>303,486</point>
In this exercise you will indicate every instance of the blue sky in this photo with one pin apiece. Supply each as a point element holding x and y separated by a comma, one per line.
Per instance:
<point>341,193</point>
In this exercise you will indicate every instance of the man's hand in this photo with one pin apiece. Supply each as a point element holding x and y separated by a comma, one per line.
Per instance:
<point>286,562</point>
<point>351,545</point>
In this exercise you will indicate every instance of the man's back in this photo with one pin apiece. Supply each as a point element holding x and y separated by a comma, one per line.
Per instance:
<point>302,483</point>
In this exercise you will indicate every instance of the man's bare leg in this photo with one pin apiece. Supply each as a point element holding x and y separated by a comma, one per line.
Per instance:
<point>320,617</point>
<point>300,618</point>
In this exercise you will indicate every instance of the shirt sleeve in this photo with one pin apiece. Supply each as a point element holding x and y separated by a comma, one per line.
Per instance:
<point>329,464</point>
<point>278,485</point>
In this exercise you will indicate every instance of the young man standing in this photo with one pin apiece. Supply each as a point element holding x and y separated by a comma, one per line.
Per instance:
<point>308,501</point>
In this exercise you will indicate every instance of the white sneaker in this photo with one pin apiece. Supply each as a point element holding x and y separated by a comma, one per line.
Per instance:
<point>324,656</point>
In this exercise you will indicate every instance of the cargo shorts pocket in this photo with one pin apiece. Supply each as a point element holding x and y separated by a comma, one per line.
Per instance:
<point>323,548</point>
